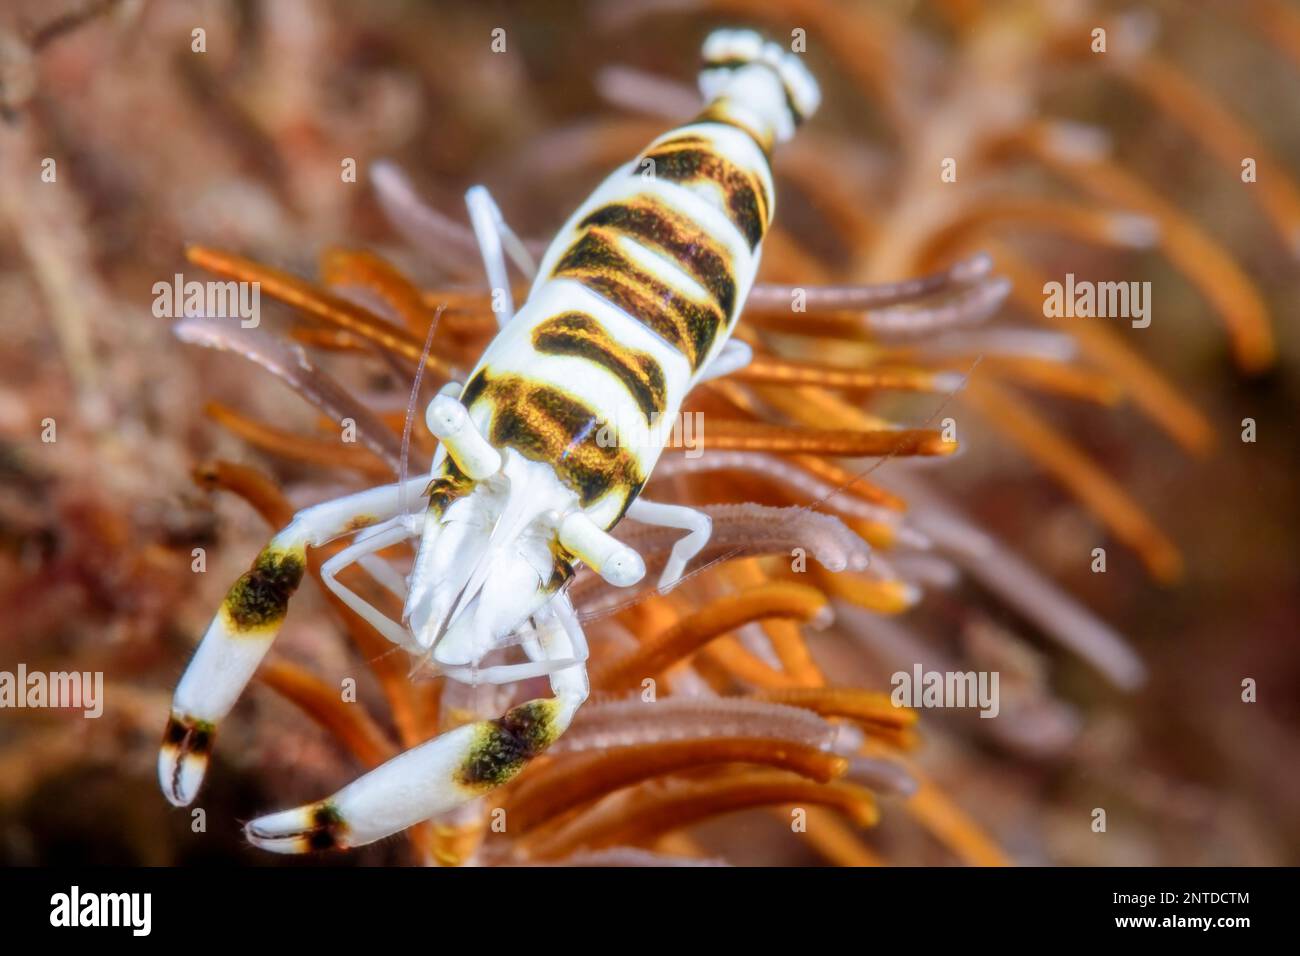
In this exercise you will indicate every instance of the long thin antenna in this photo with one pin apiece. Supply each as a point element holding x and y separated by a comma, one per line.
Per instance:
<point>410,411</point>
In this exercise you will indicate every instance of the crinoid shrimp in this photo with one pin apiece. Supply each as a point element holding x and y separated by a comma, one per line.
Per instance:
<point>543,450</point>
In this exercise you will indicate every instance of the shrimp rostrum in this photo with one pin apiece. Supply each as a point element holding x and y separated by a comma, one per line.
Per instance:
<point>542,452</point>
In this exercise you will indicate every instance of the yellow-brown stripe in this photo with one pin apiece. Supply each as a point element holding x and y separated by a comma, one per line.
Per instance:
<point>693,159</point>
<point>596,261</point>
<point>447,487</point>
<point>580,335</point>
<point>659,227</point>
<point>258,600</point>
<point>504,746</point>
<point>543,423</point>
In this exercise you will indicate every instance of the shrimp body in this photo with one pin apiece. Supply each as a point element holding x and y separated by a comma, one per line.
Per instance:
<point>544,449</point>
<point>638,294</point>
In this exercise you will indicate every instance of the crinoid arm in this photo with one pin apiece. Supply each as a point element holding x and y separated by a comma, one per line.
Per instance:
<point>243,630</point>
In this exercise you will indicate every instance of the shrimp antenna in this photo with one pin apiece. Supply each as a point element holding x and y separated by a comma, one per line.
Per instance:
<point>411,403</point>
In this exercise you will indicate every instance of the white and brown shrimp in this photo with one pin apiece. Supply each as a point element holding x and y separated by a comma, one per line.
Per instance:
<point>543,451</point>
